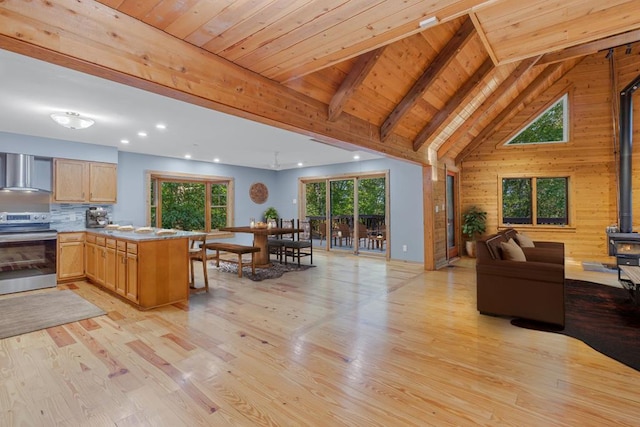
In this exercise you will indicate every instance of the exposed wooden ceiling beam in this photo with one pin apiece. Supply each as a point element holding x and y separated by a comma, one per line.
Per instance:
<point>590,48</point>
<point>484,108</point>
<point>350,84</point>
<point>440,62</point>
<point>453,103</point>
<point>510,110</point>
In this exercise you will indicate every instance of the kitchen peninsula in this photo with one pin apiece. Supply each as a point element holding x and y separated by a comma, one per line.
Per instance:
<point>149,268</point>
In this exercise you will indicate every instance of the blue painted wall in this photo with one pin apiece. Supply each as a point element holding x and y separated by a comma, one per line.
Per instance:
<point>406,216</point>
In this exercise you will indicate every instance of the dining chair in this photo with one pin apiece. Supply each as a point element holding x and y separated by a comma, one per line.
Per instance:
<point>320,231</point>
<point>302,245</point>
<point>198,252</point>
<point>363,235</point>
<point>275,244</point>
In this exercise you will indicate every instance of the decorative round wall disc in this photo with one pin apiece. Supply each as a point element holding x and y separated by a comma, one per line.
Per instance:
<point>258,193</point>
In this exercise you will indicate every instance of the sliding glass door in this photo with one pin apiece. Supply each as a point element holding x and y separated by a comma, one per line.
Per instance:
<point>341,209</point>
<point>348,213</point>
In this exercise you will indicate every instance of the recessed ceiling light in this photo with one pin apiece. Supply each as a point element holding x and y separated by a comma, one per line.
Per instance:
<point>142,134</point>
<point>299,163</point>
<point>356,157</point>
<point>161,126</point>
<point>216,160</point>
<point>124,141</point>
<point>187,156</point>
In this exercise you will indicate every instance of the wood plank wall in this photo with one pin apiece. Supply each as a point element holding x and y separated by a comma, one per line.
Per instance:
<point>589,156</point>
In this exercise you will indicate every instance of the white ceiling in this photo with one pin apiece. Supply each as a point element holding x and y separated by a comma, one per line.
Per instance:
<point>32,89</point>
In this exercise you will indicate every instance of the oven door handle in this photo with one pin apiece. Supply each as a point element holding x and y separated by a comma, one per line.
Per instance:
<point>27,237</point>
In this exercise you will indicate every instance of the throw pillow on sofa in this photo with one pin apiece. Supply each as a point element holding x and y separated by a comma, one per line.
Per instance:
<point>524,241</point>
<point>511,251</point>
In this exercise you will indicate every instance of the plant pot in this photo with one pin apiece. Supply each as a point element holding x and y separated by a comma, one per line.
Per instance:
<point>470,246</point>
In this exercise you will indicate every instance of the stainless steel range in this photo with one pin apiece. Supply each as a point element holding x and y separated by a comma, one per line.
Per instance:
<point>27,244</point>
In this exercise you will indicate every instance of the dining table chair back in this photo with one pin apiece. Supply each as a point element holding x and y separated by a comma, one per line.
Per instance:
<point>301,246</point>
<point>198,253</point>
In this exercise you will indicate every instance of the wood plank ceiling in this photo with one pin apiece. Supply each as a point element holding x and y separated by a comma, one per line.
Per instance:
<point>362,72</point>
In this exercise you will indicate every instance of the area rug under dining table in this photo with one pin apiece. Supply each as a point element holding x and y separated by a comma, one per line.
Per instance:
<point>277,269</point>
<point>34,311</point>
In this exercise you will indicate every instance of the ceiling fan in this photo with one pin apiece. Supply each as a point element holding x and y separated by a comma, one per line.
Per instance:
<point>276,164</point>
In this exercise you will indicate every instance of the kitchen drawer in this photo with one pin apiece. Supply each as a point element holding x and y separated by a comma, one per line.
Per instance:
<point>91,238</point>
<point>132,248</point>
<point>122,245</point>
<point>100,241</point>
<point>70,237</point>
<point>111,243</point>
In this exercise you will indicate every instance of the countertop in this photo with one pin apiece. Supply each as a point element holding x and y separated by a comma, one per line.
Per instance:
<point>128,235</point>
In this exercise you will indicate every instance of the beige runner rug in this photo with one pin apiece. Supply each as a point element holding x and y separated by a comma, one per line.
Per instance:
<point>28,313</point>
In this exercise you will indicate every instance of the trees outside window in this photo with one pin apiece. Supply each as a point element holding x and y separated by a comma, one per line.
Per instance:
<point>535,200</point>
<point>189,202</point>
<point>550,126</point>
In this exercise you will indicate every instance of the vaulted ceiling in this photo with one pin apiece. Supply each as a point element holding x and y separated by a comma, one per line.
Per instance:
<point>354,72</point>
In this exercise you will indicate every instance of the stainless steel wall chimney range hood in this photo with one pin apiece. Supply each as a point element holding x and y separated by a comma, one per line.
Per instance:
<point>19,170</point>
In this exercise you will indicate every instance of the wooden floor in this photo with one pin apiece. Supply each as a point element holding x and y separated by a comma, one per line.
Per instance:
<point>354,341</point>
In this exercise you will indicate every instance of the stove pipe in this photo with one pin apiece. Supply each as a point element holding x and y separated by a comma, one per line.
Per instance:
<point>626,152</point>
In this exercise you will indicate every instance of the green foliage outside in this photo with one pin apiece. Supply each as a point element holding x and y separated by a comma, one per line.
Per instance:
<point>516,200</point>
<point>371,197</point>
<point>342,198</point>
<point>183,205</point>
<point>219,201</point>
<point>316,198</point>
<point>551,200</point>
<point>549,127</point>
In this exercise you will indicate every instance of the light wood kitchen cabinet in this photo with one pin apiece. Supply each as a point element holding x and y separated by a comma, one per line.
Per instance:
<point>149,273</point>
<point>70,258</point>
<point>90,257</point>
<point>111,265</point>
<point>101,260</point>
<point>81,182</point>
<point>127,270</point>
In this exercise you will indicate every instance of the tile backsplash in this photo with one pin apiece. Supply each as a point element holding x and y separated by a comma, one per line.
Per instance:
<point>73,214</point>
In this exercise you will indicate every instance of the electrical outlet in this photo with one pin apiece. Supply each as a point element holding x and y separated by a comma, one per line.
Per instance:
<point>404,248</point>
<point>295,201</point>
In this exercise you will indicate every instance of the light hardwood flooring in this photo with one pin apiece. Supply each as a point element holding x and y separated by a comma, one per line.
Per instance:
<point>355,341</point>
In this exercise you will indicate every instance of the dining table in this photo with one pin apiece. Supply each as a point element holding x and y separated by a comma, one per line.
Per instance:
<point>260,239</point>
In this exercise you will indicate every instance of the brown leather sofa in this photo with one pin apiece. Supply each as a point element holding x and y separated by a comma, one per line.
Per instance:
<point>531,289</point>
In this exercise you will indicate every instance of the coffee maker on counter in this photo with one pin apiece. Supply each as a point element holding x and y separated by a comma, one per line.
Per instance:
<point>96,217</point>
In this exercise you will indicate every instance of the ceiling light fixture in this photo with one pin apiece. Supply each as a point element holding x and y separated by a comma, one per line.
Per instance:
<point>124,141</point>
<point>356,157</point>
<point>142,134</point>
<point>71,120</point>
<point>161,126</point>
<point>429,22</point>
<point>187,156</point>
<point>216,160</point>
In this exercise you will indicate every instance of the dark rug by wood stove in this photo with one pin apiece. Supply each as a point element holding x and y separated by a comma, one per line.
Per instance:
<point>601,316</point>
<point>276,270</point>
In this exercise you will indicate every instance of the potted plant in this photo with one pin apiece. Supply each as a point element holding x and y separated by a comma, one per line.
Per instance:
<point>474,223</point>
<point>271,213</point>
